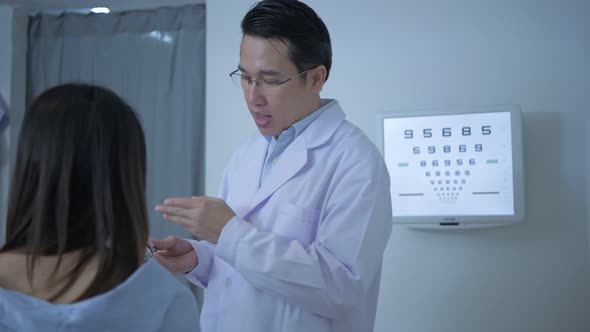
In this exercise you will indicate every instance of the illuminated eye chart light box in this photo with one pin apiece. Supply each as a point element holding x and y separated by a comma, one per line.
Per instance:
<point>454,168</point>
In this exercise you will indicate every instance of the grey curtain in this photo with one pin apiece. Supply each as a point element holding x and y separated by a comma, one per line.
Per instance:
<point>155,59</point>
<point>3,114</point>
<point>4,152</point>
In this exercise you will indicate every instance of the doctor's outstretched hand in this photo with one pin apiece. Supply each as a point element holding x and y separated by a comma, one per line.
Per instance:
<point>201,216</point>
<point>175,254</point>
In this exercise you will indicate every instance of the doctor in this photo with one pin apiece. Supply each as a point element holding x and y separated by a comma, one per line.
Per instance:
<point>295,240</point>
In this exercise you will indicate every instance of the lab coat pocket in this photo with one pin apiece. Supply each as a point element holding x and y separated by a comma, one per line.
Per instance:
<point>296,223</point>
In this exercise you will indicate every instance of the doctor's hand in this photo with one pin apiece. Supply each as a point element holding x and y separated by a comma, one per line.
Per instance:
<point>201,216</point>
<point>175,254</point>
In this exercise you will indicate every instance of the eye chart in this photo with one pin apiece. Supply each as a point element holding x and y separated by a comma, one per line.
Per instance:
<point>452,164</point>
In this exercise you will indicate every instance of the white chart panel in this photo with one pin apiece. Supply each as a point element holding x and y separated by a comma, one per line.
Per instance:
<point>457,164</point>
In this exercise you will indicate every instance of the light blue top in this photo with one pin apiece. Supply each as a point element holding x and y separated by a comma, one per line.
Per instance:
<point>151,299</point>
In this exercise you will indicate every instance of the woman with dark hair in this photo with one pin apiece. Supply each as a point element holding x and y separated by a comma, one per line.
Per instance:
<point>77,224</point>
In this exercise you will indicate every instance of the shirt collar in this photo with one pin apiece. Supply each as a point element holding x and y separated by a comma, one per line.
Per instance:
<point>298,127</point>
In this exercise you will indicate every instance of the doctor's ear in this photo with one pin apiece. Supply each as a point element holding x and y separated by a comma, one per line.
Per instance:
<point>317,77</point>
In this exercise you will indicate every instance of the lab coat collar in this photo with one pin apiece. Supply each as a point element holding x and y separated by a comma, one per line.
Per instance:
<point>319,131</point>
<point>295,156</point>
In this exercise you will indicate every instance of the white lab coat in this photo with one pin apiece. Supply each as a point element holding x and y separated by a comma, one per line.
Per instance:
<point>304,252</point>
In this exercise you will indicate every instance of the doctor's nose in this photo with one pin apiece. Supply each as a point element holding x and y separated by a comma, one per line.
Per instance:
<point>254,94</point>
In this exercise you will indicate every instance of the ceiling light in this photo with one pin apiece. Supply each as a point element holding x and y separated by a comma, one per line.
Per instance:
<point>100,10</point>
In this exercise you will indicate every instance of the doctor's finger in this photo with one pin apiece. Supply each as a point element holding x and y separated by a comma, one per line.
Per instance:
<point>176,264</point>
<point>182,202</point>
<point>184,222</point>
<point>174,211</point>
<point>170,242</point>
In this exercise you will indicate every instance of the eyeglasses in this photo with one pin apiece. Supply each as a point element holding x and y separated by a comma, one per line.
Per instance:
<point>266,86</point>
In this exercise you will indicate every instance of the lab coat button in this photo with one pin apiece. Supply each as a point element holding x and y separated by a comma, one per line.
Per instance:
<point>228,282</point>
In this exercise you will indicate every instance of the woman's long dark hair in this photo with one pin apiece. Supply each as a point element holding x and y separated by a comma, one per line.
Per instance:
<point>79,184</point>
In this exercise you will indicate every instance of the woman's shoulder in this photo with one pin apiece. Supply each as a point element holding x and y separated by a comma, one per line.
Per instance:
<point>151,277</point>
<point>142,302</point>
<point>12,268</point>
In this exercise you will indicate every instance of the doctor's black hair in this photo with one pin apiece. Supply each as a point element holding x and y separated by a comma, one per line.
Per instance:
<point>79,186</point>
<point>296,24</point>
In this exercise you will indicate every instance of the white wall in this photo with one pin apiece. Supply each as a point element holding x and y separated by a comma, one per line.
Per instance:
<point>394,54</point>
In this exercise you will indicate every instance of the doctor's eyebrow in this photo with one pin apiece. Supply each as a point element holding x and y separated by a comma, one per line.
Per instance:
<point>261,72</point>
